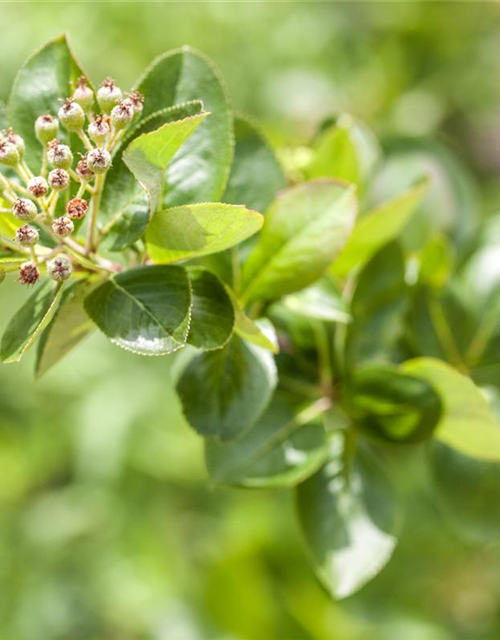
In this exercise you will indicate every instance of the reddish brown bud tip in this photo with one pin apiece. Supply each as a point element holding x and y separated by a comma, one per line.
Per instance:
<point>28,273</point>
<point>77,208</point>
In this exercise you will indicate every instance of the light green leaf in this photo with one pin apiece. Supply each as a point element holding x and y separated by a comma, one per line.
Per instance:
<point>256,175</point>
<point>321,301</point>
<point>148,155</point>
<point>199,171</point>
<point>350,526</point>
<point>467,424</point>
<point>224,392</point>
<point>283,448</point>
<point>303,231</point>
<point>48,75</point>
<point>212,313</point>
<point>377,228</point>
<point>145,310</point>
<point>29,322</point>
<point>198,230</point>
<point>69,326</point>
<point>335,156</point>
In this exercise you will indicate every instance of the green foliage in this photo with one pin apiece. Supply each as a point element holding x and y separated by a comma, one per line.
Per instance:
<point>312,342</point>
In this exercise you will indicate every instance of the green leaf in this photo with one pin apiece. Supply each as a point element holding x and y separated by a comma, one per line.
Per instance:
<point>376,229</point>
<point>224,392</point>
<point>212,313</point>
<point>198,230</point>
<point>69,326</point>
<point>200,169</point>
<point>378,308</point>
<point>149,154</point>
<point>124,205</point>
<point>145,310</point>
<point>467,424</point>
<point>47,76</point>
<point>303,231</point>
<point>467,488</point>
<point>392,405</point>
<point>335,156</point>
<point>256,175</point>
<point>261,332</point>
<point>350,525</point>
<point>321,301</point>
<point>29,322</point>
<point>283,448</point>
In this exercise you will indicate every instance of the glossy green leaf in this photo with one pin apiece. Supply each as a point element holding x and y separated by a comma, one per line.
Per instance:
<point>145,310</point>
<point>304,229</point>
<point>69,326</point>
<point>46,77</point>
<point>149,154</point>
<point>198,230</point>
<point>392,405</point>
<point>321,301</point>
<point>256,175</point>
<point>283,448</point>
<point>467,488</point>
<point>212,312</point>
<point>467,423</point>
<point>200,170</point>
<point>350,525</point>
<point>376,229</point>
<point>224,392</point>
<point>29,322</point>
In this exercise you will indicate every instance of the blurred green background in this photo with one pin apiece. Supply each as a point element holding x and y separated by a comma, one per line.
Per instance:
<point>108,527</point>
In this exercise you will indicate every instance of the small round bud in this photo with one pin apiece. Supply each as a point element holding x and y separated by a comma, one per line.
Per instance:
<point>77,208</point>
<point>38,186</point>
<point>46,127</point>
<point>63,227</point>
<point>122,114</point>
<point>71,115</point>
<point>136,99</point>
<point>59,268</point>
<point>108,95</point>
<point>16,140</point>
<point>24,209</point>
<point>83,94</point>
<point>9,154</point>
<point>28,273</point>
<point>83,170</point>
<point>98,129</point>
<point>58,179</point>
<point>99,160</point>
<point>59,155</point>
<point>27,236</point>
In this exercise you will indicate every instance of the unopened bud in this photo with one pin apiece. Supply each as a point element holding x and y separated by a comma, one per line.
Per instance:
<point>71,115</point>
<point>58,179</point>
<point>83,170</point>
<point>28,273</point>
<point>63,227</point>
<point>27,236</point>
<point>108,95</point>
<point>136,99</point>
<point>83,94</point>
<point>9,154</point>
<point>98,129</point>
<point>24,209</point>
<point>16,140</point>
<point>38,186</point>
<point>59,155</point>
<point>122,114</point>
<point>46,127</point>
<point>59,268</point>
<point>99,160</point>
<point>77,208</point>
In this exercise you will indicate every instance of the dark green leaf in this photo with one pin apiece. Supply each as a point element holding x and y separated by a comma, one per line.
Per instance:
<point>303,231</point>
<point>350,525</point>
<point>29,322</point>
<point>212,313</point>
<point>224,392</point>
<point>145,310</point>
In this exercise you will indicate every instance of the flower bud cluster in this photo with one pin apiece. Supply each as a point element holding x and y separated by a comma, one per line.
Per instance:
<point>36,203</point>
